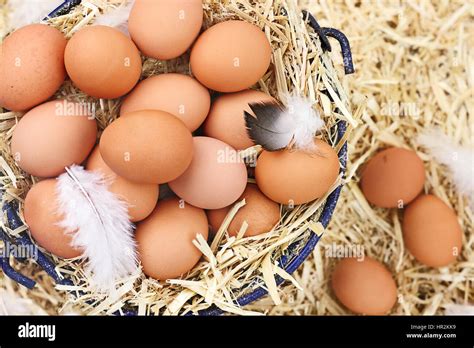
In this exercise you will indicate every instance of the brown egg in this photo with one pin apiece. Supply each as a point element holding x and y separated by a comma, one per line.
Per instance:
<point>431,231</point>
<point>164,29</point>
<point>365,287</point>
<point>231,56</point>
<point>180,95</point>
<point>215,218</point>
<point>226,120</point>
<point>141,198</point>
<point>102,62</point>
<point>165,239</point>
<point>53,136</point>
<point>41,215</point>
<point>147,146</point>
<point>216,177</point>
<point>393,178</point>
<point>297,177</point>
<point>31,66</point>
<point>260,213</point>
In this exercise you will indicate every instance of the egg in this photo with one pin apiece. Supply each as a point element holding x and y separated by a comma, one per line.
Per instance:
<point>260,213</point>
<point>52,136</point>
<point>393,178</point>
<point>165,239</point>
<point>230,56</point>
<point>164,29</point>
<point>148,146</point>
<point>295,176</point>
<point>31,66</point>
<point>41,216</point>
<point>431,231</point>
<point>226,120</point>
<point>216,177</point>
<point>180,95</point>
<point>365,287</point>
<point>141,198</point>
<point>102,62</point>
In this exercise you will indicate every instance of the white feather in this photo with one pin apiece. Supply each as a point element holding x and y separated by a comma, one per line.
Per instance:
<point>306,121</point>
<point>459,159</point>
<point>117,17</point>
<point>24,12</point>
<point>457,309</point>
<point>99,224</point>
<point>12,304</point>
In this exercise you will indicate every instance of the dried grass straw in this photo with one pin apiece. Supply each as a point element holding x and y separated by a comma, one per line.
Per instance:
<point>414,61</point>
<point>230,266</point>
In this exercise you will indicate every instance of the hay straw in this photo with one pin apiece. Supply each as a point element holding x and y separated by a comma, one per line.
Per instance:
<point>420,54</point>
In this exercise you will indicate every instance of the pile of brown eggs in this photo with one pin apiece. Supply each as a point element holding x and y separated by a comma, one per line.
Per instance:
<point>152,142</point>
<point>395,178</point>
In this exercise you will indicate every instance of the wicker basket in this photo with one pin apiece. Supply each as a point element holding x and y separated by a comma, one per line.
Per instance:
<point>295,253</point>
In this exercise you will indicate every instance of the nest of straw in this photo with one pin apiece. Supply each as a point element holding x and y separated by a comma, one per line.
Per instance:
<point>231,266</point>
<point>414,63</point>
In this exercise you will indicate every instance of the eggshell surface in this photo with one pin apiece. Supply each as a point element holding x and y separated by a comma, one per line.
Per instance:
<point>52,136</point>
<point>179,95</point>
<point>165,239</point>
<point>230,56</point>
<point>393,178</point>
<point>365,287</point>
<point>147,146</point>
<point>141,198</point>
<point>40,212</point>
<point>260,213</point>
<point>216,177</point>
<point>102,62</point>
<point>165,29</point>
<point>431,231</point>
<point>295,176</point>
<point>226,120</point>
<point>31,66</point>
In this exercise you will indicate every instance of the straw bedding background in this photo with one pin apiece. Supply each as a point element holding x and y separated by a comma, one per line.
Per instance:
<point>414,62</point>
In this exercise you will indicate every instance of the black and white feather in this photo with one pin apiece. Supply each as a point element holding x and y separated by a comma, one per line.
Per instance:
<point>99,224</point>
<point>276,126</point>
